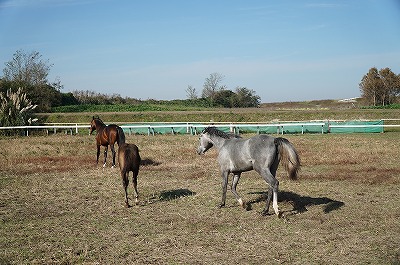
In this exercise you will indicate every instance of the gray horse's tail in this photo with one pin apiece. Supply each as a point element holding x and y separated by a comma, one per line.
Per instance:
<point>120,136</point>
<point>289,157</point>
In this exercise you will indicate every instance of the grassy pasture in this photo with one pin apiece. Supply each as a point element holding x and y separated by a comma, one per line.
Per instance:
<point>259,115</point>
<point>56,206</point>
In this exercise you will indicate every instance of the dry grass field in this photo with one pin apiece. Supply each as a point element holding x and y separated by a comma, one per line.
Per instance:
<point>58,207</point>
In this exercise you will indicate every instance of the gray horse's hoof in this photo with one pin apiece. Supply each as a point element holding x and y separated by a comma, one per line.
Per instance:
<point>247,206</point>
<point>265,213</point>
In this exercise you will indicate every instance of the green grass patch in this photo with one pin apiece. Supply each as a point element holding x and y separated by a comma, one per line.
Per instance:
<point>257,115</point>
<point>122,108</point>
<point>391,106</point>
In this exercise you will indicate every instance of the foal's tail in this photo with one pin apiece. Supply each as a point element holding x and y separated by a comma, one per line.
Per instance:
<point>289,157</point>
<point>120,136</point>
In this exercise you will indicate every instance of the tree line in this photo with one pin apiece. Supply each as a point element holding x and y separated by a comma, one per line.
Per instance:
<point>25,89</point>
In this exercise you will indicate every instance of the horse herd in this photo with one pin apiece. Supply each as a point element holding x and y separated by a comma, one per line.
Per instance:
<point>261,153</point>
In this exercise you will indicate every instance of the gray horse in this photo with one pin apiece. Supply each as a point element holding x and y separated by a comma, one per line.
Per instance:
<point>261,153</point>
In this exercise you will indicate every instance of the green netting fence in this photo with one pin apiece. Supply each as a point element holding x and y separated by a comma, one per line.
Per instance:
<point>266,128</point>
<point>357,127</point>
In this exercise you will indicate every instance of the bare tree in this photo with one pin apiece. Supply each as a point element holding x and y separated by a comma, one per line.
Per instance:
<point>27,69</point>
<point>212,85</point>
<point>191,92</point>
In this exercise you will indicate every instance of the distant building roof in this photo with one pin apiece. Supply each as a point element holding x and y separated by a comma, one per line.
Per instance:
<point>348,100</point>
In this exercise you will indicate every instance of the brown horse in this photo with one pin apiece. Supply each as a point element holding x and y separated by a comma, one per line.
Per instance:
<point>106,135</point>
<point>129,160</point>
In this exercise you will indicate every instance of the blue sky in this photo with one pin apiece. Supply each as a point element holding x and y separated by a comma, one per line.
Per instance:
<point>153,49</point>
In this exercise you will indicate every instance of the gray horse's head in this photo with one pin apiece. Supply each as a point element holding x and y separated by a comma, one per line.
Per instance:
<point>210,133</point>
<point>205,143</point>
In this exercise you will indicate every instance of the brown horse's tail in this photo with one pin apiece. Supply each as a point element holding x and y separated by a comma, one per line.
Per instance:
<point>120,136</point>
<point>289,157</point>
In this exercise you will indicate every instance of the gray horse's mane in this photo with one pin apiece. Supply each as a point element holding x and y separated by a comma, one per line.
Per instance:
<point>214,131</point>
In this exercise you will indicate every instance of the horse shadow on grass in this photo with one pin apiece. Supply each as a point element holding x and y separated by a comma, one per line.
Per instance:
<point>149,162</point>
<point>300,203</point>
<point>175,194</point>
<point>169,195</point>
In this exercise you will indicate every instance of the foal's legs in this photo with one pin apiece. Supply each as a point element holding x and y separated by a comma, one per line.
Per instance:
<point>125,182</point>
<point>134,181</point>
<point>235,181</point>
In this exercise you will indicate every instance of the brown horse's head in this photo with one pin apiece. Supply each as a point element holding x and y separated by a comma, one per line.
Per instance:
<point>95,124</point>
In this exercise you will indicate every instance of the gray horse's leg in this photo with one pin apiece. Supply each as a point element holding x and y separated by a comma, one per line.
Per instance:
<point>224,187</point>
<point>273,184</point>
<point>235,181</point>
<point>268,202</point>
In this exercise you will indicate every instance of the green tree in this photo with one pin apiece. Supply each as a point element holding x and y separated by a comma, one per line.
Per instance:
<point>68,99</point>
<point>380,87</point>
<point>224,98</point>
<point>246,98</point>
<point>390,84</point>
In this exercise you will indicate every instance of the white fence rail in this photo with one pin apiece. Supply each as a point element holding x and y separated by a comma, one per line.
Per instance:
<point>67,128</point>
<point>191,128</point>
